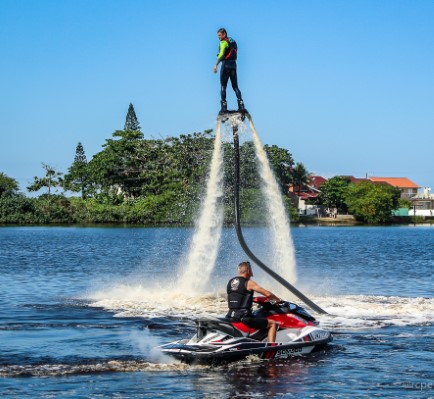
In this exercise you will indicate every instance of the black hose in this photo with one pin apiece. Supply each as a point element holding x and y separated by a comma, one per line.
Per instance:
<point>246,249</point>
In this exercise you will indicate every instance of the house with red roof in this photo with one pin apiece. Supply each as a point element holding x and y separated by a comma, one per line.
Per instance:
<point>307,192</point>
<point>408,188</point>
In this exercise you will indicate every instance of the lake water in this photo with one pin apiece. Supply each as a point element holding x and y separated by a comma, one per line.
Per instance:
<point>82,310</point>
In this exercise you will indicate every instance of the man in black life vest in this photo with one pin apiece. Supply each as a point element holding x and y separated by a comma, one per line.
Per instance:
<point>240,291</point>
<point>227,56</point>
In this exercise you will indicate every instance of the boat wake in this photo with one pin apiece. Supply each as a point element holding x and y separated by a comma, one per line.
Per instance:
<point>345,311</point>
<point>365,311</point>
<point>46,370</point>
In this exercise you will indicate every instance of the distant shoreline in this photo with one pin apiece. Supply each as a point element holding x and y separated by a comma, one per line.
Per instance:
<point>347,221</point>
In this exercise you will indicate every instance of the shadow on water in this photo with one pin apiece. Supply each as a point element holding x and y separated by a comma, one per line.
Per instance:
<point>255,378</point>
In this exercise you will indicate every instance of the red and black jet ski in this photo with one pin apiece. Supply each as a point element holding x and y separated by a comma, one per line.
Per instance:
<point>220,339</point>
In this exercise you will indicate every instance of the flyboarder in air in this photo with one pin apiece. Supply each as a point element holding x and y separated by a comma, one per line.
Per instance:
<point>227,56</point>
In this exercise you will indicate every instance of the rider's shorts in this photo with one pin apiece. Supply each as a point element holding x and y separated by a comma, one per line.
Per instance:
<point>258,323</point>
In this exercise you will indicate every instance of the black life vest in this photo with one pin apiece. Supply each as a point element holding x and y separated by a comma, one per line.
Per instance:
<point>238,295</point>
<point>232,50</point>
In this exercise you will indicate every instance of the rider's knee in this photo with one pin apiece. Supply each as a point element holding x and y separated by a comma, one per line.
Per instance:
<point>272,324</point>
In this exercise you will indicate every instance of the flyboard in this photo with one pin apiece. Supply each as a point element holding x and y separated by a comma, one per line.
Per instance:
<point>242,115</point>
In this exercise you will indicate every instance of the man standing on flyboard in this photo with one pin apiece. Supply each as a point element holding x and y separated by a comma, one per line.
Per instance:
<point>227,56</point>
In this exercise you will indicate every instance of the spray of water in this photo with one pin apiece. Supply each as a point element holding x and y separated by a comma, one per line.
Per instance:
<point>206,239</point>
<point>283,247</point>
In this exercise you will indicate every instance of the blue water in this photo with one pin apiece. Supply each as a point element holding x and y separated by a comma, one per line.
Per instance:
<point>82,310</point>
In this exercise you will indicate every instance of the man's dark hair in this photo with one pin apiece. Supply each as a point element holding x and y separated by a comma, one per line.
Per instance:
<point>222,30</point>
<point>244,266</point>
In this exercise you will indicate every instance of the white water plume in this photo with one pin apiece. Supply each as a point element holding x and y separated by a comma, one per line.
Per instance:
<point>283,247</point>
<point>206,239</point>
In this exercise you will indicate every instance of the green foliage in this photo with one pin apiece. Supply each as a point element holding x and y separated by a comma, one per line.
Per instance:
<point>51,208</point>
<point>132,167</point>
<point>155,209</point>
<point>152,209</point>
<point>131,121</point>
<point>291,210</point>
<point>253,210</point>
<point>45,209</point>
<point>8,186</point>
<point>251,197</point>
<point>282,163</point>
<point>333,193</point>
<point>404,203</point>
<point>300,176</point>
<point>92,211</point>
<point>249,177</point>
<point>417,219</point>
<point>372,203</point>
<point>133,180</point>
<point>51,180</point>
<point>17,210</point>
<point>120,167</point>
<point>187,157</point>
<point>77,178</point>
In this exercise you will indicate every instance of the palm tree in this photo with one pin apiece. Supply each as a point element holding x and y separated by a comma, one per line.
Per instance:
<point>300,177</point>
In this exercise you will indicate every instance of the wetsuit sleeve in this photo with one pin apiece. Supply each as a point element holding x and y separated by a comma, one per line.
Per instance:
<point>222,48</point>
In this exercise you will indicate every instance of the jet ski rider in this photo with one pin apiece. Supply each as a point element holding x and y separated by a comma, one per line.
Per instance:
<point>240,291</point>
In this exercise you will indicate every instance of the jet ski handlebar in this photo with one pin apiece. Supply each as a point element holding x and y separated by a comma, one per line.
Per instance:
<point>263,299</point>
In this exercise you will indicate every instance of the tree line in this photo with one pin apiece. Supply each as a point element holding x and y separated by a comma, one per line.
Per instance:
<point>161,181</point>
<point>138,180</point>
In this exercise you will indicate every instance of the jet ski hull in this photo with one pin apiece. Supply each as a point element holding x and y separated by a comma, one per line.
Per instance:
<point>222,339</point>
<point>202,353</point>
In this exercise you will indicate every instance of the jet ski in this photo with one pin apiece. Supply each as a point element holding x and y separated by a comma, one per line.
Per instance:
<point>222,340</point>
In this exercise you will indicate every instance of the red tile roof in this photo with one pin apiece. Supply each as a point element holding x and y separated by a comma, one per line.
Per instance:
<point>400,182</point>
<point>306,196</point>
<point>316,181</point>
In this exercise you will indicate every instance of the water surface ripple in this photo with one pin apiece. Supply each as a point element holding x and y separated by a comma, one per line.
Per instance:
<point>82,310</point>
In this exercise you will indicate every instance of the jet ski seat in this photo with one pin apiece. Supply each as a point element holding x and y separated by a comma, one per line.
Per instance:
<point>221,324</point>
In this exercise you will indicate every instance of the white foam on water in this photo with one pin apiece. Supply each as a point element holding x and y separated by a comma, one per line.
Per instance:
<point>346,312</point>
<point>363,311</point>
<point>205,243</point>
<point>283,259</point>
<point>128,300</point>
<point>116,366</point>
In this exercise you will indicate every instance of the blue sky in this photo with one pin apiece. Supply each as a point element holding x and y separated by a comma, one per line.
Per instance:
<point>346,86</point>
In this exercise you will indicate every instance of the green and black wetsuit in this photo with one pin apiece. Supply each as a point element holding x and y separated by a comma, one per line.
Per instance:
<point>227,57</point>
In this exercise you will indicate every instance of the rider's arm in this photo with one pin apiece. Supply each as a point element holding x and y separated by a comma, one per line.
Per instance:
<point>220,56</point>
<point>251,285</point>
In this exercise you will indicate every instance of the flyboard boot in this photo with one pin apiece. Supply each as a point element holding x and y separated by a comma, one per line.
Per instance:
<point>241,109</point>
<point>223,111</point>
<point>224,107</point>
<point>241,106</point>
<point>224,114</point>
